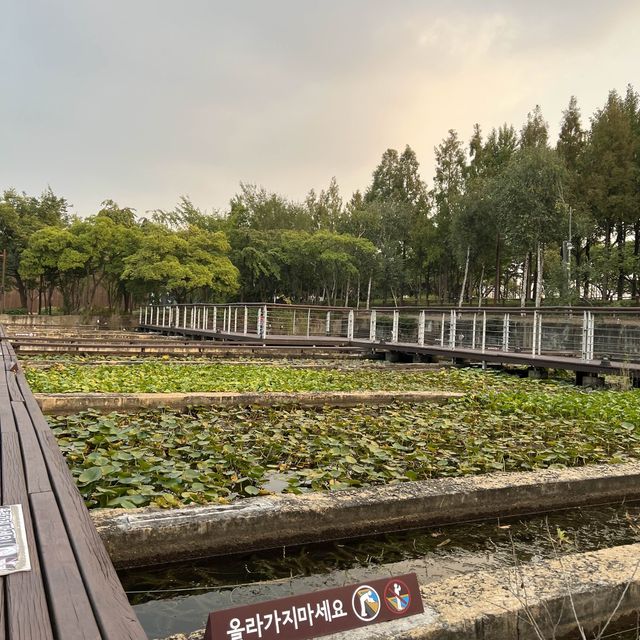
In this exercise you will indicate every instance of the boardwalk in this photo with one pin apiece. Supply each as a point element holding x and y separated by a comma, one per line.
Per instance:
<point>72,591</point>
<point>588,341</point>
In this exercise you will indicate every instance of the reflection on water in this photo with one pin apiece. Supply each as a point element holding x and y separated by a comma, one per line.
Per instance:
<point>177,598</point>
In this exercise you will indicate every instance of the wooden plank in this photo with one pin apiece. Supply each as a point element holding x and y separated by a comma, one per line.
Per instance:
<point>113,611</point>
<point>34,464</point>
<point>2,616</point>
<point>68,601</point>
<point>14,390</point>
<point>26,610</point>
<point>38,419</point>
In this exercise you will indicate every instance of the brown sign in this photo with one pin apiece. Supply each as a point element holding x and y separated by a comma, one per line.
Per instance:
<point>319,613</point>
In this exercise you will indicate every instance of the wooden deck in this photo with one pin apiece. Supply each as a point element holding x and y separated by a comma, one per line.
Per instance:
<point>72,591</point>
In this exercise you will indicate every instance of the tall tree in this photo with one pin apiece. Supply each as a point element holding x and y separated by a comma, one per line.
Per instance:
<point>21,216</point>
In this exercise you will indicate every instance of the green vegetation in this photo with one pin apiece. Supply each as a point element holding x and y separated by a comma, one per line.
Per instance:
<point>159,378</point>
<point>504,215</point>
<point>170,458</point>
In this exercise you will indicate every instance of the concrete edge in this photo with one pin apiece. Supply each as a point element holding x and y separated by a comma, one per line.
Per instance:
<point>149,536</point>
<point>68,403</point>
<point>526,602</point>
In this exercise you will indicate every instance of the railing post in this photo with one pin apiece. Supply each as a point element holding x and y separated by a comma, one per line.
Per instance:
<point>442,330</point>
<point>229,320</point>
<point>246,320</point>
<point>473,332</point>
<point>206,318</point>
<point>350,323</point>
<point>484,331</point>
<point>421,328</point>
<point>293,323</point>
<point>224,319</point>
<point>164,309</point>
<point>140,315</point>
<point>534,335</point>
<point>170,318</point>
<point>539,333</point>
<point>308,322</point>
<point>372,326</point>
<point>177,316</point>
<point>184,317</point>
<point>235,320</point>
<point>591,330</point>
<point>146,310</point>
<point>452,329</point>
<point>505,332</point>
<point>396,324</point>
<point>327,329</point>
<point>264,321</point>
<point>585,335</point>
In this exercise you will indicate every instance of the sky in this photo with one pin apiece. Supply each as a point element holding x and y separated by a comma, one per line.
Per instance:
<point>143,101</point>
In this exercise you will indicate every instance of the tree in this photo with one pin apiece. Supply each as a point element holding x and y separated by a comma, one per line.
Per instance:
<point>448,188</point>
<point>173,265</point>
<point>612,183</point>
<point>535,131</point>
<point>20,216</point>
<point>526,197</point>
<point>56,258</point>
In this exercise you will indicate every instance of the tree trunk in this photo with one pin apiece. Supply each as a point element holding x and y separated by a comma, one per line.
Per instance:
<point>480,287</point>
<point>539,267</point>
<point>636,254</point>
<point>525,281</point>
<point>496,291</point>
<point>464,280</point>
<point>620,240</point>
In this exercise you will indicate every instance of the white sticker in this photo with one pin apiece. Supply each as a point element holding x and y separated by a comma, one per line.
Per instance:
<point>14,553</point>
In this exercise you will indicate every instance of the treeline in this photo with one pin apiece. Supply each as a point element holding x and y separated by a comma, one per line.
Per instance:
<point>510,216</point>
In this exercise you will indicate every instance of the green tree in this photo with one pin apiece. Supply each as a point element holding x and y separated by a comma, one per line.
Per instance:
<point>175,264</point>
<point>20,216</point>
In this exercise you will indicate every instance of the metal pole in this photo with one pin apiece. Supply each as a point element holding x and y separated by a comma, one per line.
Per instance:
<point>484,331</point>
<point>4,276</point>
<point>308,323</point>
<point>505,333</point>
<point>534,336</point>
<point>372,326</point>
<point>421,328</point>
<point>452,329</point>
<point>246,319</point>
<point>350,323</point>
<point>539,333</point>
<point>235,320</point>
<point>396,325</point>
<point>146,311</point>
<point>442,331</point>
<point>264,321</point>
<point>215,319</point>
<point>473,332</point>
<point>328,323</point>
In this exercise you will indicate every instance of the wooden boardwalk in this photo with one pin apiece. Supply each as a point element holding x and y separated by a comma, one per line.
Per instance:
<point>72,591</point>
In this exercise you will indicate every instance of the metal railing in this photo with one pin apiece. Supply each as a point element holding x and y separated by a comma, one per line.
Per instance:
<point>588,334</point>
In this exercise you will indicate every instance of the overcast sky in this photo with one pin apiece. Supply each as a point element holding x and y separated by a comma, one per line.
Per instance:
<point>142,101</point>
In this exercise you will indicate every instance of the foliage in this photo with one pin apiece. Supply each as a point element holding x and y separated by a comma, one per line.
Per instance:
<point>495,208</point>
<point>165,377</point>
<point>168,459</point>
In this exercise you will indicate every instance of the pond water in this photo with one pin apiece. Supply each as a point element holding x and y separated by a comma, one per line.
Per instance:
<point>177,598</point>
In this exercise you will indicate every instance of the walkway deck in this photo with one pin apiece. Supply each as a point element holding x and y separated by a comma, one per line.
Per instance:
<point>72,591</point>
<point>583,339</point>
